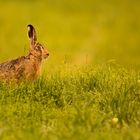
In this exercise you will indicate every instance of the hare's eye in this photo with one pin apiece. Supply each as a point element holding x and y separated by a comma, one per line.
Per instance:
<point>38,48</point>
<point>42,47</point>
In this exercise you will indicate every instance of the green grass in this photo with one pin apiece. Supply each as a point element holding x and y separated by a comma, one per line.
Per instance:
<point>90,88</point>
<point>73,103</point>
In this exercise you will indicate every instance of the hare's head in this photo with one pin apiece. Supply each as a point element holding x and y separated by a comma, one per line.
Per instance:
<point>36,49</point>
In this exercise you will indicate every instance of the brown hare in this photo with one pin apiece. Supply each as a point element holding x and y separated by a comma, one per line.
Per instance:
<point>25,67</point>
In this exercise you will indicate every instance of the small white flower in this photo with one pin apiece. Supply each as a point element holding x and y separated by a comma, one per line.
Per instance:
<point>115,120</point>
<point>138,81</point>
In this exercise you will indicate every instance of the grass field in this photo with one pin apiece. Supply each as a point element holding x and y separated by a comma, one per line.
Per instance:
<point>90,86</point>
<point>101,102</point>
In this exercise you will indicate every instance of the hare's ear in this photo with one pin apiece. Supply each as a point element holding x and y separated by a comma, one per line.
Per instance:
<point>32,35</point>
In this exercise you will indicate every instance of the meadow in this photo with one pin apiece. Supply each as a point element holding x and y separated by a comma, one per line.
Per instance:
<point>90,85</point>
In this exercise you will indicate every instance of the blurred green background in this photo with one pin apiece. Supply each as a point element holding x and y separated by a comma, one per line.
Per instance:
<point>77,31</point>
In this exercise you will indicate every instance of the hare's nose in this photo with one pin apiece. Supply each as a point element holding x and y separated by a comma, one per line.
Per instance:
<point>48,54</point>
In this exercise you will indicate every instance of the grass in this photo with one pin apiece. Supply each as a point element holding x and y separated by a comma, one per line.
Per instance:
<point>90,88</point>
<point>99,102</point>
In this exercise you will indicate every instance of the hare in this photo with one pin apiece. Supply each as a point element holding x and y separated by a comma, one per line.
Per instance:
<point>25,67</point>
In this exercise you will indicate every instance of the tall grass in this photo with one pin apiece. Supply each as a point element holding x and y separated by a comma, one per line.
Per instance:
<point>99,102</point>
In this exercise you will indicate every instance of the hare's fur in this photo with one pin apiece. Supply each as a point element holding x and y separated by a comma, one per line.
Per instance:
<point>25,67</point>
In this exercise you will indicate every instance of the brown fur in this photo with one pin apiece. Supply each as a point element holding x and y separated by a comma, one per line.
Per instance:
<point>25,67</point>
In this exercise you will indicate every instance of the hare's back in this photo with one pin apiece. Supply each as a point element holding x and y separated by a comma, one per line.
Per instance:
<point>9,69</point>
<point>12,64</point>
